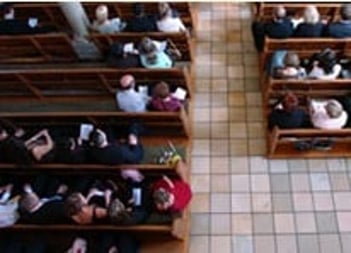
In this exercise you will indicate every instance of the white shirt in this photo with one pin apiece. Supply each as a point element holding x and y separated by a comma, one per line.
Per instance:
<point>319,73</point>
<point>320,118</point>
<point>131,100</point>
<point>114,25</point>
<point>170,24</point>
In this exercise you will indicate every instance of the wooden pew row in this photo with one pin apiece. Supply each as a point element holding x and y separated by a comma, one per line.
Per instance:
<point>50,12</point>
<point>156,123</point>
<point>180,40</point>
<point>264,10</point>
<point>76,82</point>
<point>51,47</point>
<point>282,143</point>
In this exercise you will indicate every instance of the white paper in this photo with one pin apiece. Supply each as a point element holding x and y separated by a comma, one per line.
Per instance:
<point>85,130</point>
<point>128,48</point>
<point>180,93</point>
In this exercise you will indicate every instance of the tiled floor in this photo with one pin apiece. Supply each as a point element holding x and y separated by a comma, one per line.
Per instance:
<point>243,202</point>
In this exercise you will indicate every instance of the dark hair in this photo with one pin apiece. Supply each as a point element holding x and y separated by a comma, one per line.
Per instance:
<point>95,138</point>
<point>327,60</point>
<point>138,9</point>
<point>290,102</point>
<point>73,205</point>
<point>117,49</point>
<point>161,90</point>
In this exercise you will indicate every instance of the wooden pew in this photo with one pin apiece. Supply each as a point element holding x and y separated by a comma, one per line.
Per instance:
<point>180,40</point>
<point>51,47</point>
<point>327,10</point>
<point>74,82</point>
<point>50,12</point>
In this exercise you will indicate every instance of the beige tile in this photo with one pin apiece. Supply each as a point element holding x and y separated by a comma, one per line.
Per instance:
<point>253,99</point>
<point>303,202</point>
<point>252,85</point>
<point>220,224</point>
<point>218,60</point>
<point>201,147</point>
<point>344,221</point>
<point>256,130</point>
<point>238,147</point>
<point>203,59</point>
<point>305,223</point>
<point>203,36</point>
<point>238,130</point>
<point>219,130</point>
<point>250,59</point>
<point>200,165</point>
<point>219,85</point>
<point>257,147</point>
<point>219,47</point>
<point>236,72</point>
<point>239,165</point>
<point>220,244</point>
<point>200,183</point>
<point>220,165</point>
<point>264,244</point>
<point>260,183</point>
<point>219,99</point>
<point>241,224</point>
<point>202,100</point>
<point>323,201</point>
<point>220,203</point>
<point>218,71</point>
<point>240,183</point>
<point>219,114</point>
<point>254,114</point>
<point>237,114</point>
<point>199,244</point>
<point>342,201</point>
<point>236,99</point>
<point>203,48</point>
<point>233,37</point>
<point>284,223</point>
<point>261,203</point>
<point>204,25</point>
<point>251,71</point>
<point>234,47</point>
<point>200,203</point>
<point>201,130</point>
<point>241,203</point>
<point>203,85</point>
<point>236,85</point>
<point>286,244</point>
<point>258,164</point>
<point>220,183</point>
<point>219,36</point>
<point>203,71</point>
<point>235,60</point>
<point>200,224</point>
<point>219,147</point>
<point>201,115</point>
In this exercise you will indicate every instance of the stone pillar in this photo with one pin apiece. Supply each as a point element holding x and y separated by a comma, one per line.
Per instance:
<point>76,17</point>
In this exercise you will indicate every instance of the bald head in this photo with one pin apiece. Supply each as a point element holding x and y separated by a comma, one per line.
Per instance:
<point>127,81</point>
<point>101,13</point>
<point>279,12</point>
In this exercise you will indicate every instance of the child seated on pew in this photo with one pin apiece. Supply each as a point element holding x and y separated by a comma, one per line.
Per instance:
<point>286,65</point>
<point>103,24</point>
<point>163,100</point>
<point>172,194</point>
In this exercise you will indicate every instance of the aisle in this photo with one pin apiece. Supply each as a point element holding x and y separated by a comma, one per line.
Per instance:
<point>243,202</point>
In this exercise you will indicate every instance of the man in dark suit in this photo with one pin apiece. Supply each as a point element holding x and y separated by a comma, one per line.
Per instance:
<point>342,28</point>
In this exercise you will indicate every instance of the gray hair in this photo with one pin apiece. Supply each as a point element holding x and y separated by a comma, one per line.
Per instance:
<point>311,15</point>
<point>279,12</point>
<point>345,11</point>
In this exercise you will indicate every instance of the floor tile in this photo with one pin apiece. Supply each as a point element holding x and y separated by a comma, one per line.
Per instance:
<point>220,244</point>
<point>238,130</point>
<point>346,242</point>
<point>200,165</point>
<point>320,182</point>
<point>238,147</point>
<point>219,130</point>
<point>278,166</point>
<point>200,203</point>
<point>242,224</point>
<point>258,164</point>
<point>220,224</point>
<point>241,203</point>
<point>260,183</point>
<point>284,223</point>
<point>305,223</point>
<point>336,164</point>
<point>219,147</point>
<point>344,221</point>
<point>317,165</point>
<point>297,165</point>
<point>263,223</point>
<point>308,244</point>
<point>240,183</point>
<point>220,202</point>
<point>329,243</point>
<point>219,114</point>
<point>220,165</point>
<point>201,147</point>
<point>239,165</point>
<point>323,201</point>
<point>237,114</point>
<point>236,99</point>
<point>200,224</point>
<point>326,222</point>
<point>280,183</point>
<point>220,183</point>
<point>219,85</point>
<point>303,202</point>
<point>261,203</point>
<point>286,244</point>
<point>282,202</point>
<point>200,183</point>
<point>243,244</point>
<point>264,244</point>
<point>199,244</point>
<point>342,201</point>
<point>339,182</point>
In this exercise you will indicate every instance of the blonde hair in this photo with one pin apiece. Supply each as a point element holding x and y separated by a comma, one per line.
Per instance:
<point>311,15</point>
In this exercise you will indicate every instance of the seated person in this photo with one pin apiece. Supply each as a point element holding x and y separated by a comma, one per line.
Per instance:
<point>167,22</point>
<point>103,24</point>
<point>288,114</point>
<point>120,243</point>
<point>312,25</point>
<point>327,114</point>
<point>291,68</point>
<point>141,22</point>
<point>281,26</point>
<point>151,56</point>
<point>40,144</point>
<point>324,66</point>
<point>42,210</point>
<point>342,28</point>
<point>105,150</point>
<point>8,207</point>
<point>172,195</point>
<point>163,100</point>
<point>128,99</point>
<point>121,57</point>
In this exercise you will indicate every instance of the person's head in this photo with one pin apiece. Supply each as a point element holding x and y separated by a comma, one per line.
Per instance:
<point>291,59</point>
<point>101,13</point>
<point>98,138</point>
<point>334,109</point>
<point>126,82</point>
<point>163,8</point>
<point>74,204</point>
<point>311,15</point>
<point>138,9</point>
<point>147,46</point>
<point>161,90</point>
<point>163,199</point>
<point>117,211</point>
<point>326,60</point>
<point>345,11</point>
<point>3,134</point>
<point>279,12</point>
<point>28,201</point>
<point>290,102</point>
